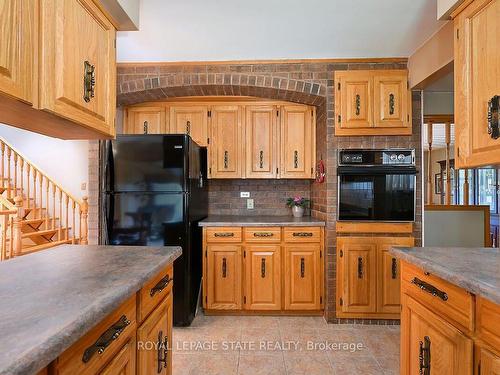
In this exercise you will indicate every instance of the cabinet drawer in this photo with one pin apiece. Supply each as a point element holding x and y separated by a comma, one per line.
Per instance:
<point>153,292</point>
<point>83,357</point>
<point>223,234</point>
<point>263,234</point>
<point>302,234</point>
<point>487,322</point>
<point>439,295</point>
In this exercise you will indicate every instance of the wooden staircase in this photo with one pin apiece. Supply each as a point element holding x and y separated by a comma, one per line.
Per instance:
<point>35,212</point>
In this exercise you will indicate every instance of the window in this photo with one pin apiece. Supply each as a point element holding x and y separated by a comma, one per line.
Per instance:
<point>487,188</point>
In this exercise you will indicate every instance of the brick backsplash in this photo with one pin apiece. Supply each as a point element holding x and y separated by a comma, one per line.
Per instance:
<point>302,82</point>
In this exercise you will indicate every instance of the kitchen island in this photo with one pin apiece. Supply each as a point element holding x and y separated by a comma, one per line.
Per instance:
<point>450,310</point>
<point>76,308</point>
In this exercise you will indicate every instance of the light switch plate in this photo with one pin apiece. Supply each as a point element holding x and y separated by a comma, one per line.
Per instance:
<point>249,204</point>
<point>244,194</point>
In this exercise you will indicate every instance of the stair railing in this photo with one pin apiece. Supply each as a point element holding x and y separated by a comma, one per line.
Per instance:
<point>43,198</point>
<point>11,215</point>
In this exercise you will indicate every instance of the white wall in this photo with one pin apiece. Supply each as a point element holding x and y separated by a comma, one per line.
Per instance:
<point>438,103</point>
<point>66,162</point>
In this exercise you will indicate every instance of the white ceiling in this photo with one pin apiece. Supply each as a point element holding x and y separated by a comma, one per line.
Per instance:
<point>198,30</point>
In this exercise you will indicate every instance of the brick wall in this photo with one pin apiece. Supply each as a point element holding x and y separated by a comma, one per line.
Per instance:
<point>307,83</point>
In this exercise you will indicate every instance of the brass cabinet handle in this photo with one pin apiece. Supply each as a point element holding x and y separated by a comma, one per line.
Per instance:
<point>295,159</point>
<point>88,81</point>
<point>162,284</point>
<point>110,335</point>
<point>360,267</point>
<point>431,289</point>
<point>358,104</point>
<point>162,352</point>
<point>261,159</point>
<point>302,234</point>
<point>391,104</point>
<point>424,356</point>
<point>494,117</point>
<point>145,127</point>
<point>227,234</point>
<point>188,127</point>
<point>263,234</point>
<point>302,267</point>
<point>224,267</point>
<point>394,269</point>
<point>226,159</point>
<point>263,268</point>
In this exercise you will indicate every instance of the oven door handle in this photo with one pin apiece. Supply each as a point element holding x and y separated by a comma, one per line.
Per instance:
<point>364,171</point>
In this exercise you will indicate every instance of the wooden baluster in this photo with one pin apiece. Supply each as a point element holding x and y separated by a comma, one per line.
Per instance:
<point>11,237</point>
<point>73,230</point>
<point>53,206</point>
<point>28,174</point>
<point>429,164</point>
<point>16,238</point>
<point>21,166</point>
<point>466,187</point>
<point>47,187</point>
<point>66,234</point>
<point>15,174</point>
<point>448,168</point>
<point>5,219</point>
<point>59,234</point>
<point>2,165</point>
<point>8,174</point>
<point>40,194</point>
<point>35,173</point>
<point>84,207</point>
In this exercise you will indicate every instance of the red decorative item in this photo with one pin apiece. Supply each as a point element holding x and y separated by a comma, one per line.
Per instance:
<point>320,172</point>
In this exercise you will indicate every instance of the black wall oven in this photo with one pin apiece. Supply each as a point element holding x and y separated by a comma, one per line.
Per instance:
<point>376,185</point>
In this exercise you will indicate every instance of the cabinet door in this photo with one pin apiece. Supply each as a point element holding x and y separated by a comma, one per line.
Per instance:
<point>490,363</point>
<point>191,120</point>
<point>226,147</point>
<point>78,43</point>
<point>297,142</point>
<point>145,120</point>
<point>17,20</point>
<point>428,340</point>
<point>355,105</point>
<point>157,329</point>
<point>302,277</point>
<point>224,277</point>
<point>124,362</point>
<point>477,80</point>
<point>391,100</point>
<point>262,277</point>
<point>261,141</point>
<point>389,274</point>
<point>357,258</point>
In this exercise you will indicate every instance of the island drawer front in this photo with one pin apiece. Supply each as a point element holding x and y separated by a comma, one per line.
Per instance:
<point>449,300</point>
<point>154,292</point>
<point>223,234</point>
<point>262,234</point>
<point>302,234</point>
<point>488,326</point>
<point>72,360</point>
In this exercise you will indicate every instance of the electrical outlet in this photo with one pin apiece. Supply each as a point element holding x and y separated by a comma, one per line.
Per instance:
<point>244,194</point>
<point>84,186</point>
<point>249,204</point>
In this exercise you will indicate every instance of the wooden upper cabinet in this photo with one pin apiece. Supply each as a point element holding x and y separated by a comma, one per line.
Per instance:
<point>372,102</point>
<point>224,267</point>
<point>391,100</point>
<point>77,60</point>
<point>490,363</point>
<point>145,120</point>
<point>297,140</point>
<point>17,41</point>
<point>429,340</point>
<point>302,277</point>
<point>227,145</point>
<point>191,120</point>
<point>261,141</point>
<point>477,81</point>
<point>263,277</point>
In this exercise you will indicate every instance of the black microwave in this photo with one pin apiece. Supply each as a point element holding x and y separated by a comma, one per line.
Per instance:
<point>376,185</point>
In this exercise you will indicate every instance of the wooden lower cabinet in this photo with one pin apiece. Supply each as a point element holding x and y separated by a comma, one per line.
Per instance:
<point>124,362</point>
<point>223,277</point>
<point>428,341</point>
<point>490,363</point>
<point>263,269</point>
<point>368,277</point>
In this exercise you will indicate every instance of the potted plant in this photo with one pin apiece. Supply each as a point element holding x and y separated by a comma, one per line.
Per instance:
<point>298,204</point>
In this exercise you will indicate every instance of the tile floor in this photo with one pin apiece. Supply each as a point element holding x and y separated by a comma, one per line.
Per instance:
<point>258,345</point>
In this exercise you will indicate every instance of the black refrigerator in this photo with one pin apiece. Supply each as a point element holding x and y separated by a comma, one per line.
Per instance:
<point>154,193</point>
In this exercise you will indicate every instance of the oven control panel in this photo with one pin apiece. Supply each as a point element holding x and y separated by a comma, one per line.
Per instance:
<point>377,157</point>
